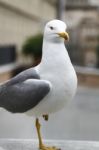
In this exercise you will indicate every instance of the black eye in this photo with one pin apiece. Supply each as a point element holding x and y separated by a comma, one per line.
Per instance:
<point>51,28</point>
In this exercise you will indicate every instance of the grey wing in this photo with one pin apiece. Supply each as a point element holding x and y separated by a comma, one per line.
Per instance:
<point>23,96</point>
<point>30,73</point>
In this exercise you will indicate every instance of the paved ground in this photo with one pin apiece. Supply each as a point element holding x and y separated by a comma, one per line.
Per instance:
<point>80,121</point>
<point>33,145</point>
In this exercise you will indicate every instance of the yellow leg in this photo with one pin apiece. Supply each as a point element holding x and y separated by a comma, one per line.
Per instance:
<point>41,145</point>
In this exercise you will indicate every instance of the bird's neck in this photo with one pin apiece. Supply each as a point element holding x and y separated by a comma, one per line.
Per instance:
<point>54,52</point>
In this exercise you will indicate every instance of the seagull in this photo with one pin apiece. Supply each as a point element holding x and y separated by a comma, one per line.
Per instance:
<point>46,88</point>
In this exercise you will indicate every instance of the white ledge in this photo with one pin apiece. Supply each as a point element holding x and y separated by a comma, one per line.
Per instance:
<point>8,67</point>
<point>86,70</point>
<point>79,69</point>
<point>16,144</point>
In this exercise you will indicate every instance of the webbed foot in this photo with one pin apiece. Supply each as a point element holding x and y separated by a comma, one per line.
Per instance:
<point>43,147</point>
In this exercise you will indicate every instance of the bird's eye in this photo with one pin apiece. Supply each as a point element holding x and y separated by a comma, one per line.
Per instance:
<point>51,28</point>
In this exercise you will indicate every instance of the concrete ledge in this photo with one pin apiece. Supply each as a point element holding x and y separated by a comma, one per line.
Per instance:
<point>11,144</point>
<point>87,76</point>
<point>87,70</point>
<point>8,67</point>
<point>6,71</point>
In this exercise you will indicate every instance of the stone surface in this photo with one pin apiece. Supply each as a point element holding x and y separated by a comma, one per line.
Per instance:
<point>12,144</point>
<point>79,121</point>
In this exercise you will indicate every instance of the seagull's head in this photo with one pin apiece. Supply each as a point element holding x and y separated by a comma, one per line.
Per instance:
<point>55,31</point>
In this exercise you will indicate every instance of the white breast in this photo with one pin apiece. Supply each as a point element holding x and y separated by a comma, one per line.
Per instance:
<point>57,69</point>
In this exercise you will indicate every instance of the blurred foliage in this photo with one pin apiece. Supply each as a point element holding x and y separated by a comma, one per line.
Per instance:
<point>33,46</point>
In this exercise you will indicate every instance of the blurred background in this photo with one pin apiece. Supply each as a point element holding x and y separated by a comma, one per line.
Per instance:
<point>21,28</point>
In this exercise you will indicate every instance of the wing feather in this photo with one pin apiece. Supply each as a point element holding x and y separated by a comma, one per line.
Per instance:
<point>23,96</point>
<point>23,92</point>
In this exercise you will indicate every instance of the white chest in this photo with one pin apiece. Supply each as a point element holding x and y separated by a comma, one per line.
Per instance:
<point>58,70</point>
<point>62,78</point>
<point>56,67</point>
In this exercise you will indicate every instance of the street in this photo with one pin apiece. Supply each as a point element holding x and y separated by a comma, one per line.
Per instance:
<point>79,121</point>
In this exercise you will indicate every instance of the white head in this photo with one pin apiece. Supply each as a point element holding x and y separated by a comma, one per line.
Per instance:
<point>55,31</point>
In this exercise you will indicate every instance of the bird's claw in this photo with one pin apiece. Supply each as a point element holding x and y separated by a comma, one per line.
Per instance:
<point>49,148</point>
<point>46,117</point>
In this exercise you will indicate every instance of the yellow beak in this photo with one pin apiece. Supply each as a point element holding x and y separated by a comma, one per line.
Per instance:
<point>64,35</point>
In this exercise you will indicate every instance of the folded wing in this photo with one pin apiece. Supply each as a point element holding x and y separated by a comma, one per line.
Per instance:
<point>22,94</point>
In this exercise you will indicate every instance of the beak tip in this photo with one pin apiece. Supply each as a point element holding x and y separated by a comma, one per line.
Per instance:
<point>64,35</point>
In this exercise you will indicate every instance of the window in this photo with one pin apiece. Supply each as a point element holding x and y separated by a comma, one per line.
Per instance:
<point>7,54</point>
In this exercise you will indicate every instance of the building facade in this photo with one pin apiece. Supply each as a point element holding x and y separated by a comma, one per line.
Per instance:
<point>83,23</point>
<point>19,20</point>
